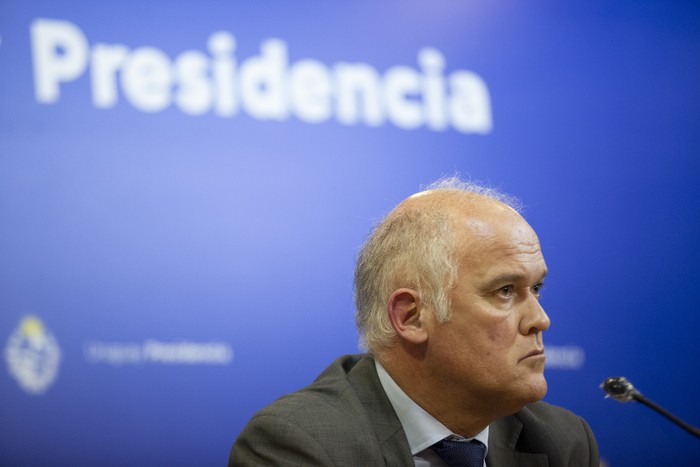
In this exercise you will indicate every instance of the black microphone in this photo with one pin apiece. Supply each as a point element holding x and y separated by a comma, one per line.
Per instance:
<point>622,390</point>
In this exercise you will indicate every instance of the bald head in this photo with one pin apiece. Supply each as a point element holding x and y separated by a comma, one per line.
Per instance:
<point>458,204</point>
<point>414,247</point>
<point>473,217</point>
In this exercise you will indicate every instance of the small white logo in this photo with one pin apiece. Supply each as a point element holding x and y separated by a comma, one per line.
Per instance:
<point>32,356</point>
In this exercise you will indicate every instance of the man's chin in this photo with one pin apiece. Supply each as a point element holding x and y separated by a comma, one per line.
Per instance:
<point>528,392</point>
<point>535,389</point>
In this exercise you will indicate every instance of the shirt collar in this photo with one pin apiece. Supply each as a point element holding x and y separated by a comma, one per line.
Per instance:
<point>422,429</point>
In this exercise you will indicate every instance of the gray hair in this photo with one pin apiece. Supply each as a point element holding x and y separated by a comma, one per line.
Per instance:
<point>415,249</point>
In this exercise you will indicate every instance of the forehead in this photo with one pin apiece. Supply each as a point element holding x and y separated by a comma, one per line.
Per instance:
<point>497,241</point>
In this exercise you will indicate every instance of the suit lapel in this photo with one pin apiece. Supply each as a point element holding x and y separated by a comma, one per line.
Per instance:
<point>387,427</point>
<point>503,433</point>
<point>503,438</point>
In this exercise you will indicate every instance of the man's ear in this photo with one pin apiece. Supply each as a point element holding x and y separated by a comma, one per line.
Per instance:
<point>408,318</point>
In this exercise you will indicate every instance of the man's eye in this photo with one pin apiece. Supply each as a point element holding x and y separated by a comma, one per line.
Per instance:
<point>506,292</point>
<point>537,289</point>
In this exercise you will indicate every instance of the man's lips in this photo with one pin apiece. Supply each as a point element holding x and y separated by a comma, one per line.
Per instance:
<point>537,353</point>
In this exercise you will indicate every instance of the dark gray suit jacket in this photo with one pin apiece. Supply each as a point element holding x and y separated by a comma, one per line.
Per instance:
<point>345,419</point>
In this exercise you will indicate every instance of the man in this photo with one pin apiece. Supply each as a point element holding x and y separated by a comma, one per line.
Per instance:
<point>447,291</point>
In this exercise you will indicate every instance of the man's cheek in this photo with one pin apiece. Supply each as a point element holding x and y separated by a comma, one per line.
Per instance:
<point>502,334</point>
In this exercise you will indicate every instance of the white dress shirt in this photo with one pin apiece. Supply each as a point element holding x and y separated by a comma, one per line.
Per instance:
<point>422,429</point>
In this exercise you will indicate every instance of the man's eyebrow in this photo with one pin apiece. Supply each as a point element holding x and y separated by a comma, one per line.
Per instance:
<point>510,278</point>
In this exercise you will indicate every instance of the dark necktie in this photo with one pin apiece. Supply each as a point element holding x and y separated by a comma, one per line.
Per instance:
<point>461,453</point>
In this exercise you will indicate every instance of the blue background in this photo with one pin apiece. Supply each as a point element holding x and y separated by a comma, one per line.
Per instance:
<point>122,226</point>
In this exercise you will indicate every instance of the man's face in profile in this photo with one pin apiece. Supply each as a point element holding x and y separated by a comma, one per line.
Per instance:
<point>491,349</point>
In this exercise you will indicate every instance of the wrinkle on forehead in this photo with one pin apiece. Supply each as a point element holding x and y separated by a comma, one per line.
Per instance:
<point>496,233</point>
<point>494,220</point>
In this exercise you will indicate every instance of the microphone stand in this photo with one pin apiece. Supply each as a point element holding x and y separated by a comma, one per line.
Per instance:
<point>622,390</point>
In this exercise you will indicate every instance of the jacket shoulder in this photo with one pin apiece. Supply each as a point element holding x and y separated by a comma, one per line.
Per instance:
<point>321,424</point>
<point>565,437</point>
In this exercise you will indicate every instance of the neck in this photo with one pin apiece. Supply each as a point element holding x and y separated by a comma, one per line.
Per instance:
<point>450,406</point>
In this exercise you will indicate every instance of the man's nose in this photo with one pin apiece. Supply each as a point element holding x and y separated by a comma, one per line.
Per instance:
<point>534,320</point>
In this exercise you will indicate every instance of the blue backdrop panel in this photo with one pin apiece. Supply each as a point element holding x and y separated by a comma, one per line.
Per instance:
<point>184,187</point>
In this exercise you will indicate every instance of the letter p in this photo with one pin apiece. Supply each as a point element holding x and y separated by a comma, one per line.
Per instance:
<point>59,54</point>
